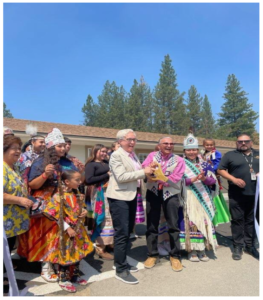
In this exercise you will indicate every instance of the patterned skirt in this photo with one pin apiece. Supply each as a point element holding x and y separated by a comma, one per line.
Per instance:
<point>107,230</point>
<point>140,217</point>
<point>75,249</point>
<point>197,238</point>
<point>40,240</point>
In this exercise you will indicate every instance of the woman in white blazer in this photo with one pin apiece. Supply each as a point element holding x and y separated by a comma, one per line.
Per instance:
<point>126,179</point>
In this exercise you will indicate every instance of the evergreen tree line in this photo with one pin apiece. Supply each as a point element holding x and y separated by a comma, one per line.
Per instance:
<point>6,112</point>
<point>167,110</point>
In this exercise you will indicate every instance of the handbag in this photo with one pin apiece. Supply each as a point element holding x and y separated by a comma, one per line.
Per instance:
<point>37,209</point>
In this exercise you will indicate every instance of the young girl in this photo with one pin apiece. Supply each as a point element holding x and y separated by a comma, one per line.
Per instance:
<point>72,241</point>
<point>213,157</point>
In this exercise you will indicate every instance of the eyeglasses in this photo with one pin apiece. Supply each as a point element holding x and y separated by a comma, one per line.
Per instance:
<point>246,142</point>
<point>131,140</point>
<point>168,144</point>
<point>15,148</point>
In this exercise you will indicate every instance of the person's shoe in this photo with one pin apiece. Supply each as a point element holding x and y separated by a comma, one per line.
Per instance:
<point>126,277</point>
<point>192,256</point>
<point>252,251</point>
<point>67,286</point>
<point>132,269</point>
<point>103,254</point>
<point>133,236</point>
<point>176,264</point>
<point>237,253</point>
<point>81,281</point>
<point>150,262</point>
<point>49,277</point>
<point>202,256</point>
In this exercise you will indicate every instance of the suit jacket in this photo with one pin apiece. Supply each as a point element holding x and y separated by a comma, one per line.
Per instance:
<point>123,179</point>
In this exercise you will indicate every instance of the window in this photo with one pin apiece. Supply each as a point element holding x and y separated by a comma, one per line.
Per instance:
<point>88,152</point>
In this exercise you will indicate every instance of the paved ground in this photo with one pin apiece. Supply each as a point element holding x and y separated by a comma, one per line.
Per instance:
<point>221,276</point>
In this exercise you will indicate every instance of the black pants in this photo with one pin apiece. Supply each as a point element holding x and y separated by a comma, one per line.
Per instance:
<point>123,219</point>
<point>153,209</point>
<point>242,223</point>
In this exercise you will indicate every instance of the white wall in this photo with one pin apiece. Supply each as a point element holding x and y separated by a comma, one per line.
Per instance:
<point>79,152</point>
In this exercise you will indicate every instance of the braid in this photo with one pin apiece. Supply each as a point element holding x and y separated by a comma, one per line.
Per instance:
<point>61,216</point>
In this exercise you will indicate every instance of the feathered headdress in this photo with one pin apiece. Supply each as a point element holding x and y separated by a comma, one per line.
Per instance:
<point>32,131</point>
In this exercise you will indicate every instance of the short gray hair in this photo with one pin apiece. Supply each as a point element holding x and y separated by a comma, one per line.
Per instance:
<point>122,133</point>
<point>165,137</point>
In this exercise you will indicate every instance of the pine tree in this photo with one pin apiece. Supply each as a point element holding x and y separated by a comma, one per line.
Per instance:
<point>194,103</point>
<point>255,137</point>
<point>7,113</point>
<point>90,111</point>
<point>237,115</point>
<point>111,106</point>
<point>207,128</point>
<point>180,119</point>
<point>166,94</point>
<point>139,107</point>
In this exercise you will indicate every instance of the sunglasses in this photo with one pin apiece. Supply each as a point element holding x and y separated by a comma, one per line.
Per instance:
<point>246,142</point>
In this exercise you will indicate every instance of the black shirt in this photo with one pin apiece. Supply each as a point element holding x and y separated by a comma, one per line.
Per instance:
<point>97,172</point>
<point>236,165</point>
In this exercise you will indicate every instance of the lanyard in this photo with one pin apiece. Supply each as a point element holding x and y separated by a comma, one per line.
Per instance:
<point>250,164</point>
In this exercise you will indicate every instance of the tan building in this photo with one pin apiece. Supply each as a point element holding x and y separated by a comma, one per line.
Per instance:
<point>85,137</point>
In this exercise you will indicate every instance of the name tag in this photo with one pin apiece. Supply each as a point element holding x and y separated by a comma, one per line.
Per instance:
<point>253,176</point>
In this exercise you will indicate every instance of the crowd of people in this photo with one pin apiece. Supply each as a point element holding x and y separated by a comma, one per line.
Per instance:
<point>58,210</point>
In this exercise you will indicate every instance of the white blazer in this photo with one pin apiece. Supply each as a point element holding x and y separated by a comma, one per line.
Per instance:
<point>123,179</point>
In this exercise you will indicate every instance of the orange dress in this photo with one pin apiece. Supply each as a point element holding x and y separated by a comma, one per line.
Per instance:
<point>75,248</point>
<point>39,241</point>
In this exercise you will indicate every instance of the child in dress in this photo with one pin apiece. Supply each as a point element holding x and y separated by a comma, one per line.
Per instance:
<point>213,157</point>
<point>72,241</point>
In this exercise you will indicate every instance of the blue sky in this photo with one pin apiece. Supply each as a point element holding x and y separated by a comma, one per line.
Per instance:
<point>57,54</point>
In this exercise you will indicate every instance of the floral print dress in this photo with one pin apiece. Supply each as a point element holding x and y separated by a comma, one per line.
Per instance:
<point>75,248</point>
<point>16,217</point>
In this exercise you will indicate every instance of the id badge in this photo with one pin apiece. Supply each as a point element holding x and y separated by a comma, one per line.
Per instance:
<point>253,176</point>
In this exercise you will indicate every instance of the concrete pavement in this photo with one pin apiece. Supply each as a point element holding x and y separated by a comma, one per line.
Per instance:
<point>221,276</point>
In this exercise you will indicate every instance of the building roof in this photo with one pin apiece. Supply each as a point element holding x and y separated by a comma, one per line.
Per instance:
<point>19,125</point>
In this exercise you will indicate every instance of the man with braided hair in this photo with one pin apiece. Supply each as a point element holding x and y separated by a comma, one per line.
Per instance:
<point>164,189</point>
